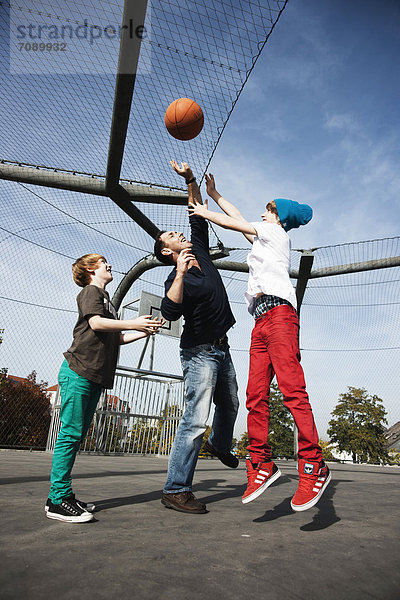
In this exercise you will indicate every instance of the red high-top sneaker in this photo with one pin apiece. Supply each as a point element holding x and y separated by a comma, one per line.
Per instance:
<point>259,478</point>
<point>314,477</point>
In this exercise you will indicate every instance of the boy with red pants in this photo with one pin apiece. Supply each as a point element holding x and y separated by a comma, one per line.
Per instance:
<point>89,366</point>
<point>274,347</point>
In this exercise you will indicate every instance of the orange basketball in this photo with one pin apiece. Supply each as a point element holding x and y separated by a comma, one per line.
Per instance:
<point>184,119</point>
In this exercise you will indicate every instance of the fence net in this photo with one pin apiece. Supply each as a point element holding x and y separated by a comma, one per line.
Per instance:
<point>60,115</point>
<point>57,109</point>
<point>349,323</point>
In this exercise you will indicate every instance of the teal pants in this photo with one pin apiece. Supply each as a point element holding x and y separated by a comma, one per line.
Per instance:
<point>79,398</point>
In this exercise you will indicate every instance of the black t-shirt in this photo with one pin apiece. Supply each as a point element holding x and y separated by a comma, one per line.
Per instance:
<point>205,304</point>
<point>94,354</point>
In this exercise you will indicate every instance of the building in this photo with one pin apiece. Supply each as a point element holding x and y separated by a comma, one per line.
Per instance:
<point>52,394</point>
<point>393,437</point>
<point>17,380</point>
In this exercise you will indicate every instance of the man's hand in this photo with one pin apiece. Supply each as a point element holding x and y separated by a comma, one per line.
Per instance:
<point>195,208</point>
<point>147,324</point>
<point>183,260</point>
<point>184,170</point>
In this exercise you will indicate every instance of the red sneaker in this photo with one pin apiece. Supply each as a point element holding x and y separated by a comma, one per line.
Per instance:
<point>313,480</point>
<point>259,478</point>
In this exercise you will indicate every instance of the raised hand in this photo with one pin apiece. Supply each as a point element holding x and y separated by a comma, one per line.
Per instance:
<point>184,170</point>
<point>183,260</point>
<point>161,322</point>
<point>195,208</point>
<point>210,184</point>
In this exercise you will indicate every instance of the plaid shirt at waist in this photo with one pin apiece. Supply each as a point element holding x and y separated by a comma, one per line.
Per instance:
<point>265,302</point>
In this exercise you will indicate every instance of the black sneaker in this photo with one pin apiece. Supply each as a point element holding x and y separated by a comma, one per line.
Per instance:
<point>227,458</point>
<point>89,507</point>
<point>68,511</point>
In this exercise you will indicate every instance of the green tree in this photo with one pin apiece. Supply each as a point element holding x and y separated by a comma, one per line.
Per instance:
<point>143,438</point>
<point>358,426</point>
<point>104,435</point>
<point>326,450</point>
<point>25,412</point>
<point>241,446</point>
<point>394,457</point>
<point>206,435</point>
<point>280,436</point>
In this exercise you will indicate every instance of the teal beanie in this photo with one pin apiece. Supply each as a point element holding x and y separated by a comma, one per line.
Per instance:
<point>292,214</point>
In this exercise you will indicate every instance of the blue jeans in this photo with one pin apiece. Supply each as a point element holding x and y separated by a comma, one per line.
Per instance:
<point>209,376</point>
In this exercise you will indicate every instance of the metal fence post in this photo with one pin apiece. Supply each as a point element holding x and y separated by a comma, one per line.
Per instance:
<point>306,262</point>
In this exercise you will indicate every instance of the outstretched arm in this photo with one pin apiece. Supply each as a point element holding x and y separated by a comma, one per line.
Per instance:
<point>132,336</point>
<point>137,328</point>
<point>228,208</point>
<point>225,221</point>
<point>185,171</point>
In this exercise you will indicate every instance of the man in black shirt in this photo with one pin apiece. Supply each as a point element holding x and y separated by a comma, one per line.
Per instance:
<point>195,290</point>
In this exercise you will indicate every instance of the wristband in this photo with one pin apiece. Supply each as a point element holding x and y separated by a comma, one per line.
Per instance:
<point>191,180</point>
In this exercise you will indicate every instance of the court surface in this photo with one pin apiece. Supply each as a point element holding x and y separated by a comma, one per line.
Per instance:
<point>347,547</point>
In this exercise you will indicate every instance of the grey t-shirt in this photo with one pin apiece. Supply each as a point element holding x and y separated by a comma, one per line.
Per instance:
<point>94,354</point>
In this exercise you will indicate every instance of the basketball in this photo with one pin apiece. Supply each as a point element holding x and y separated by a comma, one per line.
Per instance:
<point>184,119</point>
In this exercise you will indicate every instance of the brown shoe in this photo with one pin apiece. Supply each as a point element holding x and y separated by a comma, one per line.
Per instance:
<point>184,502</point>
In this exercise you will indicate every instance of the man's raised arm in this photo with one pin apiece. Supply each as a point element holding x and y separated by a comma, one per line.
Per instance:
<point>193,188</point>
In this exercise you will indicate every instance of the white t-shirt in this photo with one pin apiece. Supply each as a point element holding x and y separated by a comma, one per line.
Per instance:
<point>269,261</point>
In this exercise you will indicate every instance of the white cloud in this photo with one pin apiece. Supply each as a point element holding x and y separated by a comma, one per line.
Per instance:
<point>344,122</point>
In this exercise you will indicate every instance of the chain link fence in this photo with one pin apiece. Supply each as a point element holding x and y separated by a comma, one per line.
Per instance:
<point>349,337</point>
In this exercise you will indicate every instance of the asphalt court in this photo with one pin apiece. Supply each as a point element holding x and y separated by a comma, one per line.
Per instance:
<point>347,546</point>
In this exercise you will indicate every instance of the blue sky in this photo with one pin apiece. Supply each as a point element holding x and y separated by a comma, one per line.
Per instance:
<point>318,121</point>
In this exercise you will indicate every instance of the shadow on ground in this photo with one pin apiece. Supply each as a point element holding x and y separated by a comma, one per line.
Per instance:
<point>323,518</point>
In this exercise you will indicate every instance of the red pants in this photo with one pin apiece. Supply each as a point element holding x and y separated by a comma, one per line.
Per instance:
<point>275,350</point>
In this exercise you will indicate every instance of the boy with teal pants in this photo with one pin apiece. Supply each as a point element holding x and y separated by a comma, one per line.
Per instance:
<point>89,366</point>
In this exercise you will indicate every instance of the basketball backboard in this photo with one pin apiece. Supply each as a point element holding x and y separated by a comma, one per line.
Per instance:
<point>150,304</point>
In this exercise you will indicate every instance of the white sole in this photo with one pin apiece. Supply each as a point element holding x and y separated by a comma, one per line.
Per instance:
<point>84,518</point>
<point>90,508</point>
<point>262,488</point>
<point>314,501</point>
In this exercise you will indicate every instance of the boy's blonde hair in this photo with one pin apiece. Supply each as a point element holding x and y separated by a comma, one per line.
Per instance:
<point>80,272</point>
<point>271,206</point>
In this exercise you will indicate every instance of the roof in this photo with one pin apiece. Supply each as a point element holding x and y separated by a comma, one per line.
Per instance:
<point>16,379</point>
<point>393,434</point>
